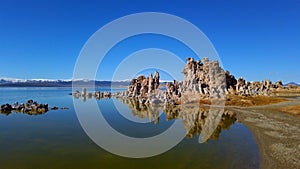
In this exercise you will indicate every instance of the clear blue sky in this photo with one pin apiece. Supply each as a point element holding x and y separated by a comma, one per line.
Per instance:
<point>254,39</point>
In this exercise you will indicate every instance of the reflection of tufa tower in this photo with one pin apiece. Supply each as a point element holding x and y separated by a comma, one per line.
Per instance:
<point>143,111</point>
<point>206,122</point>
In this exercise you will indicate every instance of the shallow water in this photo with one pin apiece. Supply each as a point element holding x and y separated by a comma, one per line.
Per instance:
<point>56,140</point>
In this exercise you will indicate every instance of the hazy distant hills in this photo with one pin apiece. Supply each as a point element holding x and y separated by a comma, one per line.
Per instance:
<point>5,82</point>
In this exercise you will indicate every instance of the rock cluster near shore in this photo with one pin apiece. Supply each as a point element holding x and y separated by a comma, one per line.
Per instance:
<point>202,80</point>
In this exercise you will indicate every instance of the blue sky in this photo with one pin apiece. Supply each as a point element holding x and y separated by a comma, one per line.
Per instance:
<point>255,39</point>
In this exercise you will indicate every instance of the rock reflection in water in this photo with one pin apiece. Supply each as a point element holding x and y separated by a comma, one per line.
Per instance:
<point>31,113</point>
<point>142,111</point>
<point>205,122</point>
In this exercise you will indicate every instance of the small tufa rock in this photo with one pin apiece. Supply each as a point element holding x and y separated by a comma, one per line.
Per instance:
<point>83,93</point>
<point>107,94</point>
<point>76,94</point>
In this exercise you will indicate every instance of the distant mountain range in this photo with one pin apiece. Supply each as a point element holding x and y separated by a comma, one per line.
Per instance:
<point>292,83</point>
<point>9,82</point>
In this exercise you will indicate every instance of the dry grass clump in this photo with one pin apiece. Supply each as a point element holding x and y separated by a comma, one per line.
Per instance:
<point>294,110</point>
<point>243,101</point>
<point>233,100</point>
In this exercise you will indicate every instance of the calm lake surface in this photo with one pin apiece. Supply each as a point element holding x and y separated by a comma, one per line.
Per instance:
<point>56,139</point>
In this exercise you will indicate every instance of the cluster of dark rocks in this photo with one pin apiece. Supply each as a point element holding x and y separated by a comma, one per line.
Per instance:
<point>202,79</point>
<point>97,94</point>
<point>29,106</point>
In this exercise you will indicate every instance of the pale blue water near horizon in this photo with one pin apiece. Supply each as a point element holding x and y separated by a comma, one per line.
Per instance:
<point>56,140</point>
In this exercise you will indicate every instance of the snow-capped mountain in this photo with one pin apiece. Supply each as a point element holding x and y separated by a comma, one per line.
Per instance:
<point>292,83</point>
<point>14,82</point>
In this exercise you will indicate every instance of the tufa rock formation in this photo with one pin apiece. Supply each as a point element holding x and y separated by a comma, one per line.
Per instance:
<point>209,80</point>
<point>202,80</point>
<point>144,89</point>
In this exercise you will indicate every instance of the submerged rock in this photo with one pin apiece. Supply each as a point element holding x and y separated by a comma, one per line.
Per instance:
<point>54,108</point>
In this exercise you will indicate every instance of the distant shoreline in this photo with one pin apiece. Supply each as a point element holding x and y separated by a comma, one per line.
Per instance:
<point>63,86</point>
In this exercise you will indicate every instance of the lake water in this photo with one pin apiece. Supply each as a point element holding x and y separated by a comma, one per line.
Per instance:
<point>56,139</point>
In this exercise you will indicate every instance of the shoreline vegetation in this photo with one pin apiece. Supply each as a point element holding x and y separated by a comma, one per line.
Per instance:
<point>290,105</point>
